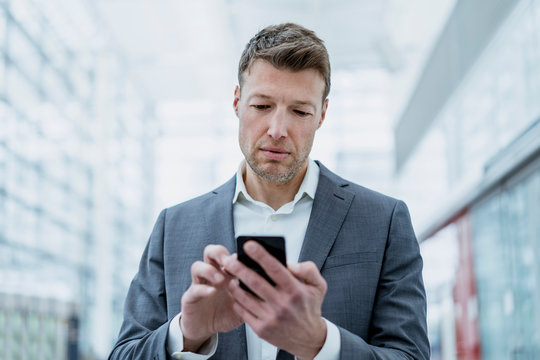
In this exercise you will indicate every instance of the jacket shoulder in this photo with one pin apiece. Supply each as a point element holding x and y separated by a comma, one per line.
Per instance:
<point>193,206</point>
<point>363,195</point>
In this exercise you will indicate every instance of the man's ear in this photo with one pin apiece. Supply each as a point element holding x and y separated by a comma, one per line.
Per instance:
<point>323,113</point>
<point>236,99</point>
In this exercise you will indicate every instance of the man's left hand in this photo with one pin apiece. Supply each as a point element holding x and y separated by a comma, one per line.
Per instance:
<point>287,315</point>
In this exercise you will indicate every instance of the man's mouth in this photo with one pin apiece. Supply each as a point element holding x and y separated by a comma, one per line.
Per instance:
<point>274,153</point>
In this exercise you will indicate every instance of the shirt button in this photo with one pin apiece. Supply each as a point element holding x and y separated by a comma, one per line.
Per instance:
<point>273,217</point>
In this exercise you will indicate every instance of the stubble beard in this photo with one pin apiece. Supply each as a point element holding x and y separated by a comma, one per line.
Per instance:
<point>280,177</point>
<point>276,176</point>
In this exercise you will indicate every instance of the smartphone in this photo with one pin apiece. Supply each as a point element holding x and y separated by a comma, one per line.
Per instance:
<point>275,245</point>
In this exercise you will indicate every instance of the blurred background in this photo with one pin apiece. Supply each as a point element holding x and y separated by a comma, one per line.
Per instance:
<point>111,110</point>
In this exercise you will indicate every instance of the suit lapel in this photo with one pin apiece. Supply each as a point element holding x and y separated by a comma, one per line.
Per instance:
<point>219,217</point>
<point>330,206</point>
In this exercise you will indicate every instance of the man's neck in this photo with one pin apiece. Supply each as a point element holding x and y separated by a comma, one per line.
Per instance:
<point>273,193</point>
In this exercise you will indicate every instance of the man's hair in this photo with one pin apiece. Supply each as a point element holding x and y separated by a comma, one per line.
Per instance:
<point>287,46</point>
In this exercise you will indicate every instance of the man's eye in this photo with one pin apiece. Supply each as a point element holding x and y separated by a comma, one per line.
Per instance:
<point>301,113</point>
<point>261,107</point>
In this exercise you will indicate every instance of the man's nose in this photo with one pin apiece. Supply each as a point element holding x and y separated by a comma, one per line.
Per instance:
<point>277,128</point>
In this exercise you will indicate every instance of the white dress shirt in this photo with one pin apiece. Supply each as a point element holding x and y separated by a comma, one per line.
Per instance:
<point>253,217</point>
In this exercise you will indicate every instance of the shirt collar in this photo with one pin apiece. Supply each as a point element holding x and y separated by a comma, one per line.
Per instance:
<point>308,186</point>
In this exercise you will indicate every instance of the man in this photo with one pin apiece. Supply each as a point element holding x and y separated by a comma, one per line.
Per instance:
<point>353,287</point>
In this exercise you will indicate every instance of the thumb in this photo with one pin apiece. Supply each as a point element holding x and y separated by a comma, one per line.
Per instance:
<point>308,272</point>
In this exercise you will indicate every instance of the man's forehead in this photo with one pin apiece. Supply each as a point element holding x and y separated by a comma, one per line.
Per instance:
<point>258,63</point>
<point>262,72</point>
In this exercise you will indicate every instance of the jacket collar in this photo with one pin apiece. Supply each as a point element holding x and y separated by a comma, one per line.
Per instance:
<point>330,207</point>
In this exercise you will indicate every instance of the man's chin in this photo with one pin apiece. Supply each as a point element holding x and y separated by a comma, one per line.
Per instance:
<point>275,173</point>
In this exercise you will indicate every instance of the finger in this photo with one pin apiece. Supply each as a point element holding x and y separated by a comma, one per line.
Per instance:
<point>245,315</point>
<point>203,273</point>
<point>308,272</point>
<point>254,281</point>
<point>248,301</point>
<point>275,270</point>
<point>215,255</point>
<point>197,292</point>
<point>225,260</point>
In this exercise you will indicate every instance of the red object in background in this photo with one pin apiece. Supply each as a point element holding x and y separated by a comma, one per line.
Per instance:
<point>465,296</point>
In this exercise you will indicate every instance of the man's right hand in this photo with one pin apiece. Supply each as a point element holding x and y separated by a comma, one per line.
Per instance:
<point>207,305</point>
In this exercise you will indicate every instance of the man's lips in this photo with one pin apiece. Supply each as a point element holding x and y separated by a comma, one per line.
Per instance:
<point>274,153</point>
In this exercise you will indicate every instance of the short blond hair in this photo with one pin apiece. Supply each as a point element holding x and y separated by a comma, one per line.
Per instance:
<point>288,46</point>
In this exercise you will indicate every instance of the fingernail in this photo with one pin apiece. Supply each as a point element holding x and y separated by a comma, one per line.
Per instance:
<point>218,277</point>
<point>250,247</point>
<point>227,262</point>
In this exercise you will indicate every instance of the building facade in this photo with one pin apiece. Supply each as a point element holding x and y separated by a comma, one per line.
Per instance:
<point>471,133</point>
<point>75,181</point>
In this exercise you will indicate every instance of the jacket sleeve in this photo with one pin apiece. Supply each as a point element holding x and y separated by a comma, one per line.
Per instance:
<point>398,327</point>
<point>143,334</point>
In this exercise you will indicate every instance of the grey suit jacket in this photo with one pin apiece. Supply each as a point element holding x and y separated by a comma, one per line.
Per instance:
<point>362,242</point>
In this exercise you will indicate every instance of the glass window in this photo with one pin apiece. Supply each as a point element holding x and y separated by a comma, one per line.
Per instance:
<point>12,208</point>
<point>82,82</point>
<point>55,51</point>
<point>21,94</point>
<point>3,123</point>
<point>22,51</point>
<point>7,120</point>
<point>521,214</point>
<point>32,190</point>
<point>12,167</point>
<point>53,239</point>
<point>2,77</point>
<point>493,269</point>
<point>494,103</point>
<point>27,16</point>
<point>47,135</point>
<point>51,196</point>
<point>533,59</point>
<point>53,87</point>
<point>3,212</point>
<point>3,27</point>
<point>507,258</point>
<point>80,181</point>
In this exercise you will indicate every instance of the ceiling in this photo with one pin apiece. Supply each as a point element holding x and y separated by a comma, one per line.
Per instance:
<point>182,55</point>
<point>189,49</point>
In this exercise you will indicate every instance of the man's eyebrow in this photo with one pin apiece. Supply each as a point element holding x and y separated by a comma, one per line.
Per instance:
<point>307,103</point>
<point>262,96</point>
<point>296,102</point>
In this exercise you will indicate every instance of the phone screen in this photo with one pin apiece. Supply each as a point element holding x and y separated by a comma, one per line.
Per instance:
<point>275,245</point>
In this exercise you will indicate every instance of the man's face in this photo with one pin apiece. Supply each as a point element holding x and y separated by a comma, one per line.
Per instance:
<point>279,112</point>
